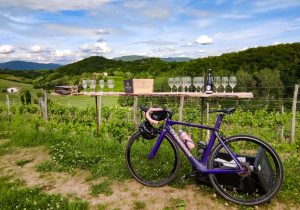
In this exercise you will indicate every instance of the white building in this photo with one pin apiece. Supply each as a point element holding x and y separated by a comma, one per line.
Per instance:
<point>12,90</point>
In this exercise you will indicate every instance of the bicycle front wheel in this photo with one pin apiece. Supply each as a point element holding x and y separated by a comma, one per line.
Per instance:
<point>262,176</point>
<point>156,171</point>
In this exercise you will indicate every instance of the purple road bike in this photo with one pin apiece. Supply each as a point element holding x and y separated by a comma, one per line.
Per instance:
<point>242,169</point>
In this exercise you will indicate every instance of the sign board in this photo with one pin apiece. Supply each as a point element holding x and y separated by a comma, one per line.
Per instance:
<point>138,86</point>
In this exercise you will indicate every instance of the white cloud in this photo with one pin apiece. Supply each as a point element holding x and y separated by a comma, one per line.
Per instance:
<point>268,5</point>
<point>235,16</point>
<point>194,12</point>
<point>101,31</point>
<point>135,4</point>
<point>159,13</point>
<point>204,23</point>
<point>100,40</point>
<point>55,5</point>
<point>6,49</point>
<point>203,39</point>
<point>97,48</point>
<point>276,43</point>
<point>63,53</point>
<point>38,49</point>
<point>59,29</point>
<point>201,51</point>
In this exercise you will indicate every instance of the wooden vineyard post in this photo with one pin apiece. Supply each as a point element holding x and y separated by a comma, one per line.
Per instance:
<point>282,127</point>
<point>135,111</point>
<point>43,103</point>
<point>100,110</point>
<point>294,114</point>
<point>8,104</point>
<point>98,113</point>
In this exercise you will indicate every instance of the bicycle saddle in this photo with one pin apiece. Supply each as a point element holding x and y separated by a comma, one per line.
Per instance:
<point>224,111</point>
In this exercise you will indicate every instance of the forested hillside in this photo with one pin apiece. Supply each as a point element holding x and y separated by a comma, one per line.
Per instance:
<point>24,65</point>
<point>268,71</point>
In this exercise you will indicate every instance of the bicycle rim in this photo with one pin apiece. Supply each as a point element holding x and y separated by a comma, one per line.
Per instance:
<point>262,178</point>
<point>154,172</point>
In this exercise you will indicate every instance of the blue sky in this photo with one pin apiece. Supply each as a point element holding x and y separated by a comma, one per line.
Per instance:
<point>66,31</point>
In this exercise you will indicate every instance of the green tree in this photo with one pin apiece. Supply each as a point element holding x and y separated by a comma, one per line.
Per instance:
<point>269,83</point>
<point>22,100</point>
<point>27,97</point>
<point>245,81</point>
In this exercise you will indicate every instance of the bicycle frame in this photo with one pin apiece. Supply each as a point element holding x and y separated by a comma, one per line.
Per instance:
<point>200,166</point>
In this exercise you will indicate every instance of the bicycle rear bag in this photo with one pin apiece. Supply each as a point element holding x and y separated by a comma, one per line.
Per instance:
<point>263,170</point>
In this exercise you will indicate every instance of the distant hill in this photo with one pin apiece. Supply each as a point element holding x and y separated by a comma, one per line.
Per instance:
<point>130,58</point>
<point>24,65</point>
<point>139,57</point>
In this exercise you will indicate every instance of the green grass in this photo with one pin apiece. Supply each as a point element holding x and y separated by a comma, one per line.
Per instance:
<point>23,162</point>
<point>11,77</point>
<point>15,98</point>
<point>14,196</point>
<point>5,144</point>
<point>83,101</point>
<point>102,188</point>
<point>139,204</point>
<point>175,203</point>
<point>22,86</point>
<point>50,166</point>
<point>104,156</point>
<point>76,101</point>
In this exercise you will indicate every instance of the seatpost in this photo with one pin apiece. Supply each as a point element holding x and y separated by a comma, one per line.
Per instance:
<point>219,121</point>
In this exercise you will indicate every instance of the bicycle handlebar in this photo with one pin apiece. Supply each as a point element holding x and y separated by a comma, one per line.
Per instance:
<point>149,111</point>
<point>148,115</point>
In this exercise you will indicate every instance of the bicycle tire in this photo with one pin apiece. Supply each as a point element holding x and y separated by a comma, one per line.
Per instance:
<point>154,172</point>
<point>264,175</point>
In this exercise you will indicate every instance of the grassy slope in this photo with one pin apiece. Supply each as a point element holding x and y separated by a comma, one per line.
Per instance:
<point>15,97</point>
<point>77,101</point>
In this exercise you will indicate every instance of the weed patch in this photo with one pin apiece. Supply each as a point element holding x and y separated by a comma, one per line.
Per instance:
<point>176,203</point>
<point>290,191</point>
<point>50,166</point>
<point>102,188</point>
<point>14,197</point>
<point>139,205</point>
<point>23,162</point>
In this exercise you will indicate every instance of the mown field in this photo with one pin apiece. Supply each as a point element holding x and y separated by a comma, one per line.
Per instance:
<point>70,140</point>
<point>78,101</point>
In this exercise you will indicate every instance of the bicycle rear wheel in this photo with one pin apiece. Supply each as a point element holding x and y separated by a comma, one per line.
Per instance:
<point>263,174</point>
<point>154,172</point>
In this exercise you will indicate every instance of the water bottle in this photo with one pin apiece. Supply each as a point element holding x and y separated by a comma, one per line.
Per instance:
<point>187,140</point>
